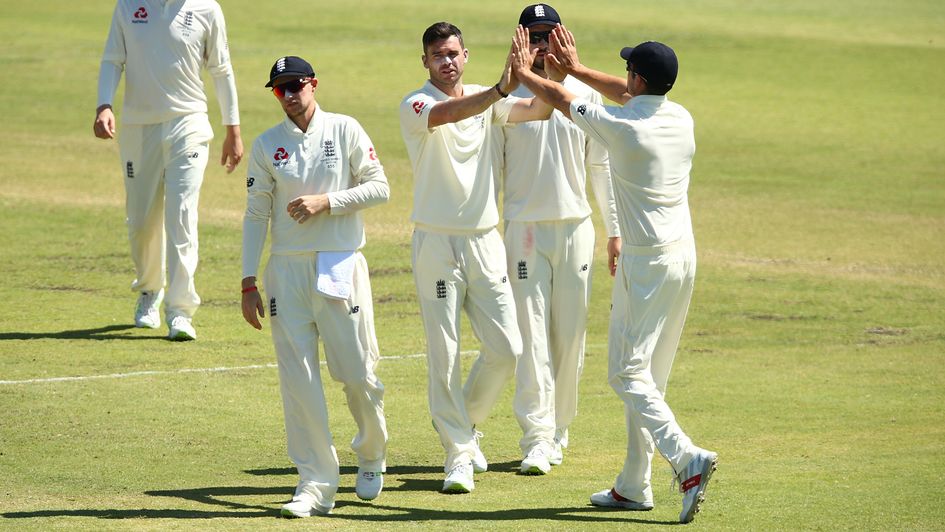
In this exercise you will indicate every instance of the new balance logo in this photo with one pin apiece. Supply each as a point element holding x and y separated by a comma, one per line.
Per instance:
<point>130,170</point>
<point>272,307</point>
<point>355,309</point>
<point>522,270</point>
<point>505,279</point>
<point>250,181</point>
<point>441,289</point>
<point>584,268</point>
<point>194,155</point>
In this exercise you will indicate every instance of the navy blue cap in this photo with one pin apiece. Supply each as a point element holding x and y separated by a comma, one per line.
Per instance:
<point>539,14</point>
<point>290,65</point>
<point>655,61</point>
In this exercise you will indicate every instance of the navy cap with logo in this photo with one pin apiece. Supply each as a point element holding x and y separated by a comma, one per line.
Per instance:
<point>655,61</point>
<point>539,14</point>
<point>290,65</point>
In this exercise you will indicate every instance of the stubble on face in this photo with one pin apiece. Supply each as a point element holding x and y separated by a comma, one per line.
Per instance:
<point>445,60</point>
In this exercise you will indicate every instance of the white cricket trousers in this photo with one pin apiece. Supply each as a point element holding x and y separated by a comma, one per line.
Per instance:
<point>651,297</point>
<point>452,273</point>
<point>163,166</point>
<point>299,317</point>
<point>550,266</point>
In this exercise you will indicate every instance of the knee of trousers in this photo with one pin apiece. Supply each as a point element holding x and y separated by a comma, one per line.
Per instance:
<point>633,382</point>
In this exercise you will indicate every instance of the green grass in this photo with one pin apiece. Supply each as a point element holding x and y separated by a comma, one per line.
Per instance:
<point>811,360</point>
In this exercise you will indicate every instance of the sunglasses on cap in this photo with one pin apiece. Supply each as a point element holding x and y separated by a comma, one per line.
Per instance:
<point>294,86</point>
<point>536,37</point>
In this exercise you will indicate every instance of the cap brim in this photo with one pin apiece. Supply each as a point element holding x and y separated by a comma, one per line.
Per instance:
<point>625,53</point>
<point>288,75</point>
<point>546,21</point>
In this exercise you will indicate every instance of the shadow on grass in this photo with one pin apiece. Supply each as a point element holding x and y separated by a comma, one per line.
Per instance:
<point>220,501</point>
<point>100,333</point>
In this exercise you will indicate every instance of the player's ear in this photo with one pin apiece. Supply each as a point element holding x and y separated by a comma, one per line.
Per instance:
<point>465,55</point>
<point>314,83</point>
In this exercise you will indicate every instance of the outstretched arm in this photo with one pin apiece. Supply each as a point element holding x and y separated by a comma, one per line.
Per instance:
<point>563,56</point>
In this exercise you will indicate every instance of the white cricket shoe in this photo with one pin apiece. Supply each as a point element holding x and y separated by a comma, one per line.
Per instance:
<point>557,453</point>
<point>369,484</point>
<point>692,482</point>
<point>459,479</point>
<point>611,499</point>
<point>536,462</point>
<point>479,463</point>
<point>148,309</point>
<point>181,329</point>
<point>303,505</point>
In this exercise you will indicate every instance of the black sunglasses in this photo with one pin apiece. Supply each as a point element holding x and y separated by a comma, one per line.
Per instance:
<point>536,37</point>
<point>633,72</point>
<point>293,86</point>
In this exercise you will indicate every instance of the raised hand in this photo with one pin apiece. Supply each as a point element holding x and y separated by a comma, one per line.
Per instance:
<point>562,51</point>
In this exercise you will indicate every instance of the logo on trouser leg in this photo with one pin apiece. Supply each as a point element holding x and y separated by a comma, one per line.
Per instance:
<point>522,270</point>
<point>130,170</point>
<point>584,268</point>
<point>441,289</point>
<point>355,309</point>
<point>272,307</point>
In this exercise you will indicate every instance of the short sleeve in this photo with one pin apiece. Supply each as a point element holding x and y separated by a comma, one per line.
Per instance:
<point>415,113</point>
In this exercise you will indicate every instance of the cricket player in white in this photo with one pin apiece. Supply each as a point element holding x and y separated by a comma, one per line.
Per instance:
<point>309,178</point>
<point>549,241</point>
<point>458,257</point>
<point>162,45</point>
<point>651,145</point>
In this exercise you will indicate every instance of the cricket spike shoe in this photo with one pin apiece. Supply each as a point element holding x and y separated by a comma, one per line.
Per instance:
<point>181,329</point>
<point>479,462</point>
<point>369,484</point>
<point>304,504</point>
<point>611,499</point>
<point>535,462</point>
<point>459,479</point>
<point>693,480</point>
<point>148,309</point>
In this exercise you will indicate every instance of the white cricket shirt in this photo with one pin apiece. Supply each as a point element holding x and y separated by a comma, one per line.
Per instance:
<point>162,46</point>
<point>547,163</point>
<point>651,144</point>
<point>334,156</point>
<point>453,164</point>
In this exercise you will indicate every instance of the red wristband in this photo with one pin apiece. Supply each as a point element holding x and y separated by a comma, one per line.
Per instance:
<point>250,289</point>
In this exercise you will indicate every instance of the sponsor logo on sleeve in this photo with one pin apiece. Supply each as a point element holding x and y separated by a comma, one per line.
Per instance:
<point>140,16</point>
<point>419,106</point>
<point>372,155</point>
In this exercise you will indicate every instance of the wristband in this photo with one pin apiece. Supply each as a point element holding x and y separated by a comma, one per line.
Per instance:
<point>502,94</point>
<point>249,289</point>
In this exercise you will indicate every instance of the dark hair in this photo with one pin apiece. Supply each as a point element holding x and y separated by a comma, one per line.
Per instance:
<point>440,31</point>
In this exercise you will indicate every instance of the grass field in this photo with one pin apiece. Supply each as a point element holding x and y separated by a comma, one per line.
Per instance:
<point>812,360</point>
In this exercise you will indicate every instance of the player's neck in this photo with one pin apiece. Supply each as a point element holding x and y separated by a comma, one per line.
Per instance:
<point>303,119</point>
<point>453,90</point>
